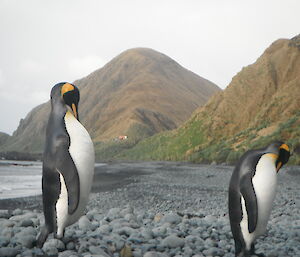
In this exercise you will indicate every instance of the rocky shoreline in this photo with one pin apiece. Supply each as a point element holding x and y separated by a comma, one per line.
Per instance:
<point>154,209</point>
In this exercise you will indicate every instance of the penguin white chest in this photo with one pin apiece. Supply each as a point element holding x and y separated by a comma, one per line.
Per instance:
<point>264,184</point>
<point>82,152</point>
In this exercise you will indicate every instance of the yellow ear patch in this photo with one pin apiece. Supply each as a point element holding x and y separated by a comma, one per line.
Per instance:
<point>285,147</point>
<point>66,88</point>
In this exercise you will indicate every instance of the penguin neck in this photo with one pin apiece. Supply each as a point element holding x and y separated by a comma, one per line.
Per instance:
<point>56,118</point>
<point>58,107</point>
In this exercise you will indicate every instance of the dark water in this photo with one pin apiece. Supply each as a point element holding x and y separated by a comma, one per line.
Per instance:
<point>24,178</point>
<point>20,179</point>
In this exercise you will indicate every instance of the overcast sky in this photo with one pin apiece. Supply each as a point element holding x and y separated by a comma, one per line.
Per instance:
<point>45,42</point>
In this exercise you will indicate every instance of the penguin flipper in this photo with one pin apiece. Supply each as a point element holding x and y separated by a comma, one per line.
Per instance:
<point>248,193</point>
<point>66,166</point>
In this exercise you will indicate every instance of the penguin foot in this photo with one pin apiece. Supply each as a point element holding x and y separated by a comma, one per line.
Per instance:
<point>42,237</point>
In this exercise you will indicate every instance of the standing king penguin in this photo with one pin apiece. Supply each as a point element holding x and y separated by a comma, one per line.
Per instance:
<point>68,163</point>
<point>251,194</point>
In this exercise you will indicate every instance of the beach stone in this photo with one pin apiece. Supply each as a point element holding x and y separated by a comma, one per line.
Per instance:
<point>27,223</point>
<point>137,253</point>
<point>159,231</point>
<point>5,214</point>
<point>84,223</point>
<point>68,253</point>
<point>104,229</point>
<point>26,231</point>
<point>6,223</point>
<point>173,241</point>
<point>17,212</point>
<point>52,244</point>
<point>154,254</point>
<point>50,251</point>
<point>26,240</point>
<point>27,253</point>
<point>21,217</point>
<point>213,251</point>
<point>4,241</point>
<point>7,232</point>
<point>94,255</point>
<point>8,252</point>
<point>125,231</point>
<point>210,219</point>
<point>114,213</point>
<point>130,217</point>
<point>146,233</point>
<point>98,251</point>
<point>36,222</point>
<point>70,246</point>
<point>187,251</point>
<point>127,210</point>
<point>172,218</point>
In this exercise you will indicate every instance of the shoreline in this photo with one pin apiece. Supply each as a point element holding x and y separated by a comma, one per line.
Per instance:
<point>115,175</point>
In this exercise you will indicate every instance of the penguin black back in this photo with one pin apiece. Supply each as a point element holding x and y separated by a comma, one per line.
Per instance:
<point>57,161</point>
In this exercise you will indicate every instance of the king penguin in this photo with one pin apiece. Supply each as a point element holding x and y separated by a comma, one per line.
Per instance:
<point>68,163</point>
<point>251,194</point>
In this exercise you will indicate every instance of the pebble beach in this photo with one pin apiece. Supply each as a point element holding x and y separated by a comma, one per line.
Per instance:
<point>154,209</point>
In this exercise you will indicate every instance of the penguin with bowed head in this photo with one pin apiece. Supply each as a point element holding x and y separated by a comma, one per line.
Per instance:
<point>252,191</point>
<point>68,163</point>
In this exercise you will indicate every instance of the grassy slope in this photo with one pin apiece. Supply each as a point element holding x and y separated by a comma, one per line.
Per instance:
<point>191,143</point>
<point>259,106</point>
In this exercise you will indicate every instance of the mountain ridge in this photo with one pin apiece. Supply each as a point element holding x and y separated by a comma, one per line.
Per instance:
<point>139,92</point>
<point>260,104</point>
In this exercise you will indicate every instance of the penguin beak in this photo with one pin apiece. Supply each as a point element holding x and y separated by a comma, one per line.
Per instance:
<point>279,165</point>
<point>74,109</point>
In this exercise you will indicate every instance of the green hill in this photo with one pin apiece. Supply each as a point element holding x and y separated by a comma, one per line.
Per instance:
<point>261,104</point>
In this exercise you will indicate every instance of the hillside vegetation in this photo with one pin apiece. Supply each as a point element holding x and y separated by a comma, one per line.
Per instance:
<point>260,105</point>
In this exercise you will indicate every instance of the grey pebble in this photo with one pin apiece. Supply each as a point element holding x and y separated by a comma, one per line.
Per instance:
<point>84,223</point>
<point>172,218</point>
<point>26,240</point>
<point>5,214</point>
<point>27,223</point>
<point>173,241</point>
<point>4,241</point>
<point>98,251</point>
<point>67,253</point>
<point>154,254</point>
<point>8,252</point>
<point>114,213</point>
<point>23,216</point>
<point>52,244</point>
<point>17,212</point>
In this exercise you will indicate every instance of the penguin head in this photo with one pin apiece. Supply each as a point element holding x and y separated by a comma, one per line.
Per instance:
<point>68,94</point>
<point>282,151</point>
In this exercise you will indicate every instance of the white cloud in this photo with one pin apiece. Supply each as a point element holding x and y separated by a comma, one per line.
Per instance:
<point>31,67</point>
<point>82,66</point>
<point>2,79</point>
